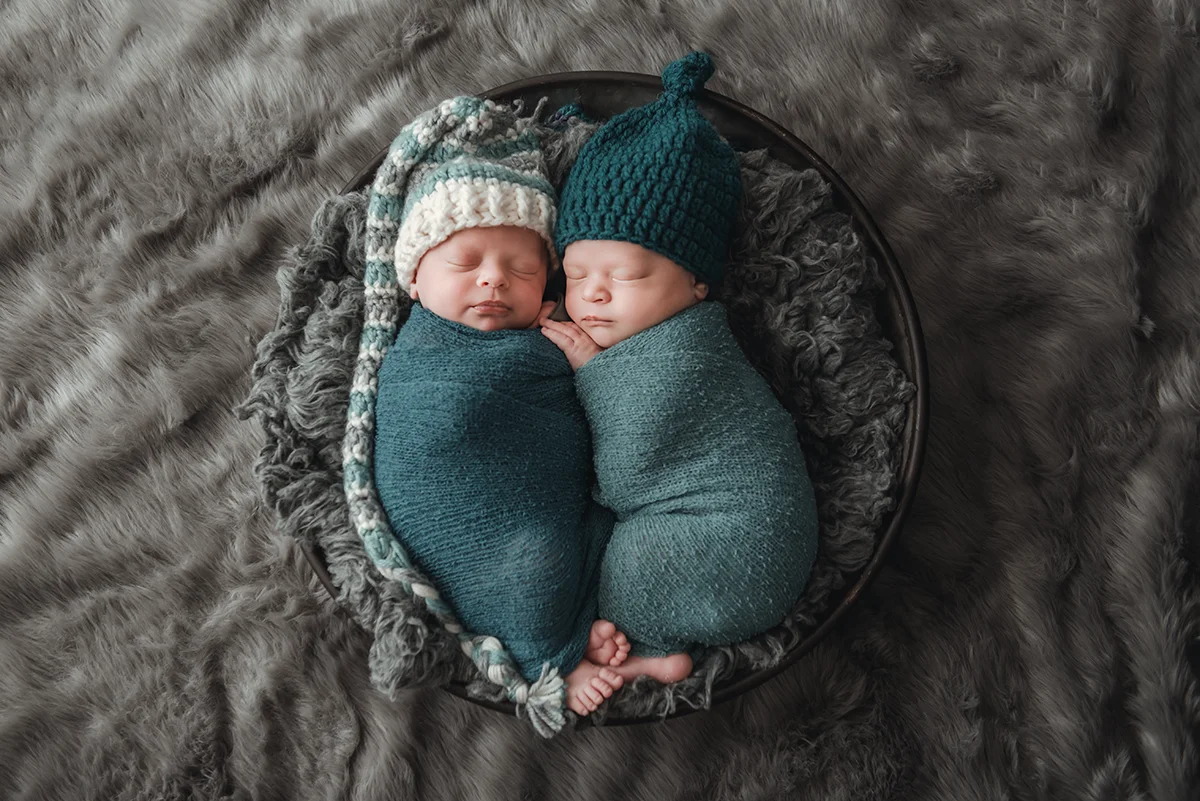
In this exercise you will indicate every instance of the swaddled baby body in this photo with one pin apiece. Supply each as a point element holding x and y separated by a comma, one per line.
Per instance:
<point>716,528</point>
<point>469,394</point>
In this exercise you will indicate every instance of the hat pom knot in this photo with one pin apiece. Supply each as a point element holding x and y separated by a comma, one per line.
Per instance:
<point>685,76</point>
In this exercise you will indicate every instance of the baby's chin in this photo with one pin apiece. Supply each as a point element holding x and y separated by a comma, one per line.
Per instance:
<point>493,322</point>
<point>606,335</point>
<point>496,325</point>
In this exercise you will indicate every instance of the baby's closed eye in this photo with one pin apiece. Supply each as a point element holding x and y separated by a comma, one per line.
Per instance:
<point>579,275</point>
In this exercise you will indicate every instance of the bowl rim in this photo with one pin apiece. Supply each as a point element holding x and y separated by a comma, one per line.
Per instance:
<point>916,423</point>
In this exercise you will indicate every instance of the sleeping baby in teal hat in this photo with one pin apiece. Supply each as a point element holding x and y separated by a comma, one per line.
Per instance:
<point>716,529</point>
<point>470,393</point>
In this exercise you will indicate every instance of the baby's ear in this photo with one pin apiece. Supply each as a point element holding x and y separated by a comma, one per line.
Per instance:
<point>701,290</point>
<point>412,281</point>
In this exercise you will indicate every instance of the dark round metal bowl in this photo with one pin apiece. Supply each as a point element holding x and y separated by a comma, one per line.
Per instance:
<point>604,94</point>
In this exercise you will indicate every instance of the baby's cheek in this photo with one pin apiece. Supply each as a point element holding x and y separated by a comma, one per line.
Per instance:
<point>571,298</point>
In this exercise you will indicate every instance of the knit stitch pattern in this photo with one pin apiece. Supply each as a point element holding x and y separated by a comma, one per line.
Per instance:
<point>483,462</point>
<point>659,176</point>
<point>717,520</point>
<point>451,131</point>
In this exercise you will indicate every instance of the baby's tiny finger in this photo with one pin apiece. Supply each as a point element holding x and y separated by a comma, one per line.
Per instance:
<point>559,335</point>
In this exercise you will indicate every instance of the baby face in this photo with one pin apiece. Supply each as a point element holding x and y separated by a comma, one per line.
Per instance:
<point>485,278</point>
<point>616,289</point>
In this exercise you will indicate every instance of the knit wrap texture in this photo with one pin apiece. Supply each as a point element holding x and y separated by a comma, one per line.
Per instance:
<point>483,463</point>
<point>716,530</point>
<point>468,163</point>
<point>659,176</point>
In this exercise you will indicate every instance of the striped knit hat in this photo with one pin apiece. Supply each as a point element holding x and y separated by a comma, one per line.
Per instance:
<point>468,163</point>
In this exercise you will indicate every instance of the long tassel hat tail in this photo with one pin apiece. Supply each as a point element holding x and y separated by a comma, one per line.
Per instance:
<point>451,123</point>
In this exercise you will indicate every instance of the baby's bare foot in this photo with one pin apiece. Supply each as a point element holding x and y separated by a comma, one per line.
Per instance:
<point>588,685</point>
<point>606,645</point>
<point>665,669</point>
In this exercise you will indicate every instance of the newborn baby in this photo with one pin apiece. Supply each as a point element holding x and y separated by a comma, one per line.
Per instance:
<point>470,393</point>
<point>716,528</point>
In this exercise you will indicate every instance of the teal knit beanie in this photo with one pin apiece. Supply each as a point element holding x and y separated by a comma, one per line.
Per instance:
<point>659,176</point>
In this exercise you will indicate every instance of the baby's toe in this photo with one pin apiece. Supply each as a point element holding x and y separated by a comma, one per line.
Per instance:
<point>595,638</point>
<point>612,678</point>
<point>583,699</point>
<point>603,687</point>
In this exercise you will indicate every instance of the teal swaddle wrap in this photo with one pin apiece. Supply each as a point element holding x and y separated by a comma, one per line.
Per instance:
<point>716,529</point>
<point>483,464</point>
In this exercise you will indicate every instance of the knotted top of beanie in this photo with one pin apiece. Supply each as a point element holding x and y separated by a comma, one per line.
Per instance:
<point>659,176</point>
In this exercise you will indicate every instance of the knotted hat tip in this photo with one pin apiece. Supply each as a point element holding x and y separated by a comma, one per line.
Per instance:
<point>685,76</point>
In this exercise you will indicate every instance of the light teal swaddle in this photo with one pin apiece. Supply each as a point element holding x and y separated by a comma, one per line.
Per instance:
<point>716,528</point>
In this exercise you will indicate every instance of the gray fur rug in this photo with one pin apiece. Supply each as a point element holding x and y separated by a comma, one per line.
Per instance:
<point>1034,165</point>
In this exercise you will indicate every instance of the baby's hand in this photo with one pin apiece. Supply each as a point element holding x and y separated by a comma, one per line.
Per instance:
<point>571,340</point>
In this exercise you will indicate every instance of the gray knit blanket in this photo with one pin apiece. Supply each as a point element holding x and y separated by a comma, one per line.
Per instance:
<point>1033,166</point>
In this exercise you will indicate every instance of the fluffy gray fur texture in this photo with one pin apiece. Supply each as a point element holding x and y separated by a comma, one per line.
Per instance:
<point>1035,166</point>
<point>801,290</point>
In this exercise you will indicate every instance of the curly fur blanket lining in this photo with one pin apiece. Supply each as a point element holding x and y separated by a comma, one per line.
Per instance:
<point>1032,164</point>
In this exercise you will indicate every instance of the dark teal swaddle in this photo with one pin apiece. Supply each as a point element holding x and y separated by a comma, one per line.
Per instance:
<point>483,464</point>
<point>716,528</point>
